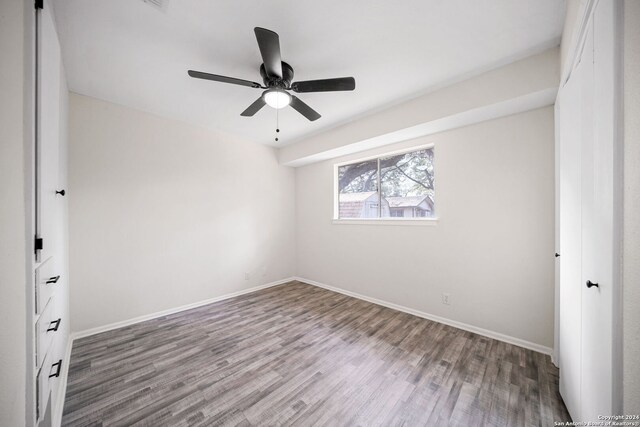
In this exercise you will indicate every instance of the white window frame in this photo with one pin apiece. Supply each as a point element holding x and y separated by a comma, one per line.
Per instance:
<point>380,221</point>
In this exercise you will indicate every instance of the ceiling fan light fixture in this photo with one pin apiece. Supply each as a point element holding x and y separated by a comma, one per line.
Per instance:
<point>277,76</point>
<point>277,98</point>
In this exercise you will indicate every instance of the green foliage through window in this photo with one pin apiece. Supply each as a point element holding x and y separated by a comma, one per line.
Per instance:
<point>400,185</point>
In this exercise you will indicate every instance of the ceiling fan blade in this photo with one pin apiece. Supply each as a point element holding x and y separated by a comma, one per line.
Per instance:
<point>269,43</point>
<point>223,79</point>
<point>304,109</point>
<point>325,85</point>
<point>253,108</point>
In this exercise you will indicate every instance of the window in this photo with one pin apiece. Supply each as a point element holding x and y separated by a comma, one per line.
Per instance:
<point>394,186</point>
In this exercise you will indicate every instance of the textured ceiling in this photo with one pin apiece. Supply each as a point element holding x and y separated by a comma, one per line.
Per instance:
<point>131,53</point>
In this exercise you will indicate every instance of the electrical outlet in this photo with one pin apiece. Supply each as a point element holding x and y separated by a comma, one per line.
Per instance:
<point>446,299</point>
<point>247,276</point>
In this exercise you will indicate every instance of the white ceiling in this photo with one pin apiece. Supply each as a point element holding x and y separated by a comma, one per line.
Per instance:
<point>131,53</point>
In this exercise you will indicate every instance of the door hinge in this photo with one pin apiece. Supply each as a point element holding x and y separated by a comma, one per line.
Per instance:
<point>38,243</point>
<point>39,4</point>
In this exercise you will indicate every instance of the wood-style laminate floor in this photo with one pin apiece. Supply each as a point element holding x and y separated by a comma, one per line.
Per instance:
<point>296,354</point>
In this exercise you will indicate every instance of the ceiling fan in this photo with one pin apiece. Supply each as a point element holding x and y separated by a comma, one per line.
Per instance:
<point>277,76</point>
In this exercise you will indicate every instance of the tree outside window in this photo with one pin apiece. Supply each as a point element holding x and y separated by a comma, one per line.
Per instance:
<point>399,185</point>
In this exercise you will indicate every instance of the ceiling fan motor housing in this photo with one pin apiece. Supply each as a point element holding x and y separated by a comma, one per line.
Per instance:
<point>284,82</point>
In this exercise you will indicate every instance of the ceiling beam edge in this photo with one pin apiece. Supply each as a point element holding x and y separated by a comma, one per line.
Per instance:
<point>515,105</point>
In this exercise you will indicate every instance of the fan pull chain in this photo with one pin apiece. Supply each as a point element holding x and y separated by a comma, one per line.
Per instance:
<point>277,122</point>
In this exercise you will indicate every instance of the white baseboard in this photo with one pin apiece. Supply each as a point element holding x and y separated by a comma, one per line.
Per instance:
<point>116,325</point>
<point>480,331</point>
<point>58,407</point>
<point>57,416</point>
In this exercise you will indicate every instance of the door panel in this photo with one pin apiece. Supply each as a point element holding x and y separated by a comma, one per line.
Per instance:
<point>51,292</point>
<point>48,219</point>
<point>570,243</point>
<point>587,170</point>
<point>589,227</point>
<point>597,344</point>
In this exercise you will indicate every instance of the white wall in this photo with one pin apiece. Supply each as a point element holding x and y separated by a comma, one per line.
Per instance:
<point>164,214</point>
<point>631,226</point>
<point>492,249</point>
<point>13,225</point>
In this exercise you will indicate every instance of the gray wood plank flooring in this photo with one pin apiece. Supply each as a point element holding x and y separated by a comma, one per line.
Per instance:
<point>296,354</point>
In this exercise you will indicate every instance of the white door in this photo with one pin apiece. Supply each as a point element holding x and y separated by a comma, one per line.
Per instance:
<point>49,322</point>
<point>569,113</point>
<point>48,216</point>
<point>598,207</point>
<point>587,204</point>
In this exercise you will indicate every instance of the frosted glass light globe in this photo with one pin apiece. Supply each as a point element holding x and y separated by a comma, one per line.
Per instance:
<point>277,98</point>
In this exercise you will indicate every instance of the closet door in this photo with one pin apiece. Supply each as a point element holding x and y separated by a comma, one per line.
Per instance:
<point>587,138</point>
<point>598,207</point>
<point>570,122</point>
<point>48,215</point>
<point>49,269</point>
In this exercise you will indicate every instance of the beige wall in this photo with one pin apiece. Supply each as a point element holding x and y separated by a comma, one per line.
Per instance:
<point>631,249</point>
<point>13,226</point>
<point>163,214</point>
<point>492,249</point>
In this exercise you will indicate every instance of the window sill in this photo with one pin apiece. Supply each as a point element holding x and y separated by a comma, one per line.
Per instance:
<point>388,221</point>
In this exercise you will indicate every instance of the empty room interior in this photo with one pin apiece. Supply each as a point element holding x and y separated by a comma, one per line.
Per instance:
<point>330,213</point>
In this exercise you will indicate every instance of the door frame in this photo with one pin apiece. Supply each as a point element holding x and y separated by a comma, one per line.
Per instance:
<point>618,209</point>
